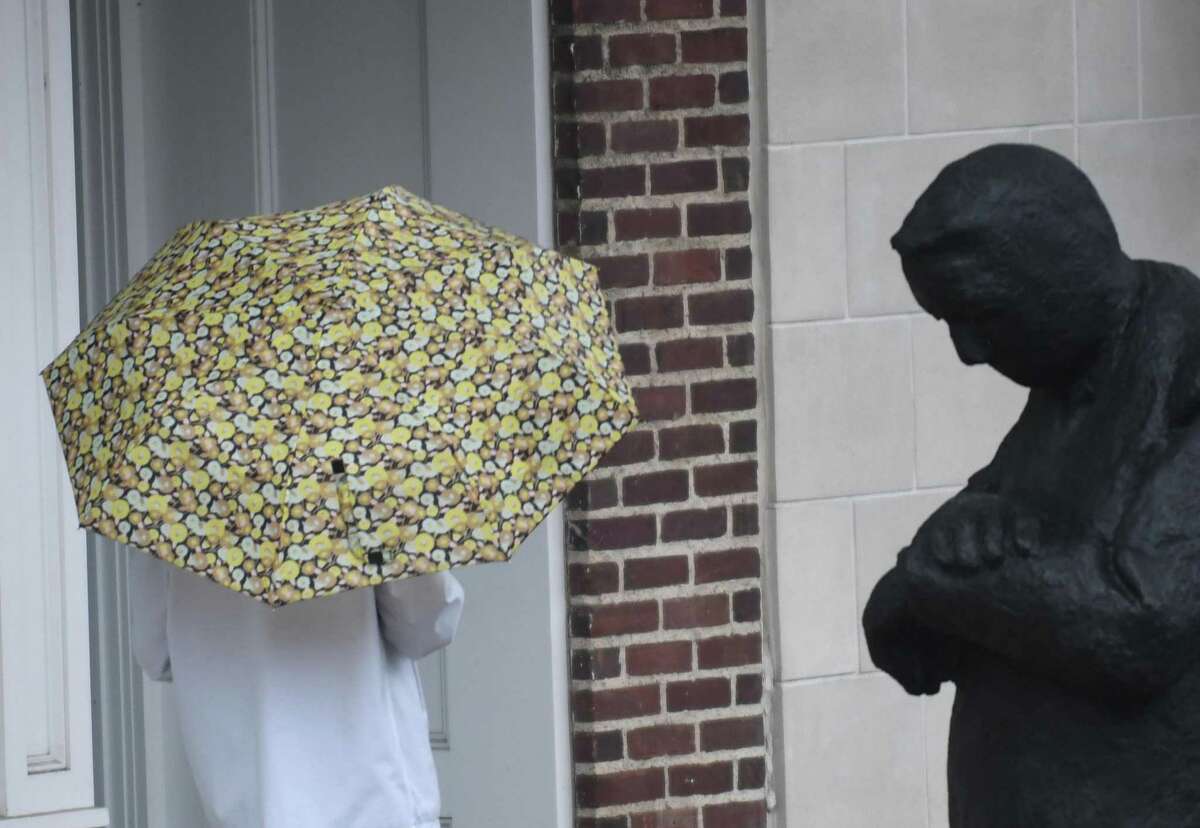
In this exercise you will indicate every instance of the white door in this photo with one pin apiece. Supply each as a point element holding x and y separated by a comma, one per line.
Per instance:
<point>234,107</point>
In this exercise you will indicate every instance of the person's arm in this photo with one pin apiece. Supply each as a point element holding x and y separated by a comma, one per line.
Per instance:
<point>1120,619</point>
<point>148,614</point>
<point>419,615</point>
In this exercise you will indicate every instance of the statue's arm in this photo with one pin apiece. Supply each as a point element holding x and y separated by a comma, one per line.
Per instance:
<point>1118,618</point>
<point>919,657</point>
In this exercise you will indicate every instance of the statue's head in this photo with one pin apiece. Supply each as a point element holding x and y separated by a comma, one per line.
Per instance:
<point>1013,248</point>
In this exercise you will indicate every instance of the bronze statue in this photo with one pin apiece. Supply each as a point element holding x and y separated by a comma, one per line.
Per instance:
<point>1060,589</point>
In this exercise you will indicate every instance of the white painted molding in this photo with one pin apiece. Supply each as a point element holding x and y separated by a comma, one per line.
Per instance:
<point>45,676</point>
<point>116,679</point>
<point>262,96</point>
<point>84,818</point>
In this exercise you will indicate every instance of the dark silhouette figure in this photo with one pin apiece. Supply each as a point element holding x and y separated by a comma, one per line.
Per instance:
<point>1060,590</point>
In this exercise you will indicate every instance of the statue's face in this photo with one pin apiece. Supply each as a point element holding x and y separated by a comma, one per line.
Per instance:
<point>1012,322</point>
<point>1013,249</point>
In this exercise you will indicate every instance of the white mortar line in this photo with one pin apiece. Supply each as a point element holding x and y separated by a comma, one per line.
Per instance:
<point>912,376</point>
<point>846,231</point>
<point>948,490</point>
<point>1140,72</point>
<point>904,54</point>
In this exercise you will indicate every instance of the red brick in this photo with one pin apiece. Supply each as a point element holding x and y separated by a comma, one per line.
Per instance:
<point>678,267</point>
<point>597,11</point>
<point>733,8</point>
<point>578,140</point>
<point>736,815</point>
<point>714,45</point>
<point>726,478</point>
<point>718,219</point>
<point>695,611</point>
<point>649,313</point>
<point>693,524</point>
<point>641,49</point>
<point>575,53</point>
<point>743,436</point>
<point>634,447</point>
<point>600,96</point>
<point>674,818</point>
<point>568,227</point>
<point>606,746</point>
<point>660,403</point>
<point>741,350</point>
<point>689,354</point>
<point>749,688</point>
<point>593,227</point>
<point>737,263</point>
<point>619,703</point>
<point>601,822</point>
<point>683,92</point>
<point>699,694</point>
<point>614,619</point>
<point>612,182</point>
<point>647,223</point>
<point>733,87</point>
<point>656,659</point>
<point>752,774</point>
<point>593,494</point>
<point>678,9</point>
<point>683,177</point>
<point>622,271</point>
<point>727,565</point>
<point>612,533</point>
<point>661,740</point>
<point>620,788</point>
<point>566,184</point>
<point>725,307</point>
<point>717,131</point>
<point>635,358</point>
<point>690,780</point>
<point>690,441</point>
<point>659,571</point>
<point>731,734</point>
<point>724,395</point>
<point>593,579</point>
<point>602,663</point>
<point>745,520</point>
<point>747,605</point>
<point>655,487</point>
<point>645,136</point>
<point>730,651</point>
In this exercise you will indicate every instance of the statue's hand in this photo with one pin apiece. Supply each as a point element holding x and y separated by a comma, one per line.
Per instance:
<point>918,657</point>
<point>973,532</point>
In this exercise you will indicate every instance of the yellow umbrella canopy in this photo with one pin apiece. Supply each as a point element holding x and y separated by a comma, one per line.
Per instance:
<point>302,403</point>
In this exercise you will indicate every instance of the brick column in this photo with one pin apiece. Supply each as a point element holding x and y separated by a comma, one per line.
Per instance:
<point>652,129</point>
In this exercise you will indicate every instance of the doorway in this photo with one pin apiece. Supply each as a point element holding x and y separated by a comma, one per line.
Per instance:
<point>227,107</point>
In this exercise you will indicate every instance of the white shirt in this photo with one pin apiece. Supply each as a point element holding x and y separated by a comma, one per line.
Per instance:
<point>308,716</point>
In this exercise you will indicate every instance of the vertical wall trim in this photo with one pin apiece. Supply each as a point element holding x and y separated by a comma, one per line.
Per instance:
<point>262,95</point>
<point>426,136</point>
<point>45,719</point>
<point>116,679</point>
<point>543,131</point>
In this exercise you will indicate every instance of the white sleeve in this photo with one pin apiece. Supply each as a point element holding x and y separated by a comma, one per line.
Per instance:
<point>148,614</point>
<point>419,615</point>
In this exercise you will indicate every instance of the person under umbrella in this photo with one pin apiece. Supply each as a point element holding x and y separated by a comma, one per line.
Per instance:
<point>328,409</point>
<point>311,717</point>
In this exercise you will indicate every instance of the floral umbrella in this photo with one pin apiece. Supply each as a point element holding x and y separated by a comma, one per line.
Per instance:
<point>302,403</point>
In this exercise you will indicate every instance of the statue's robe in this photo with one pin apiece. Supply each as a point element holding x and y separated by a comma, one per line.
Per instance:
<point>1078,676</point>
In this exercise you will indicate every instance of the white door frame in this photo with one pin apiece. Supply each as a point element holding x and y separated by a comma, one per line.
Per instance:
<point>45,683</point>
